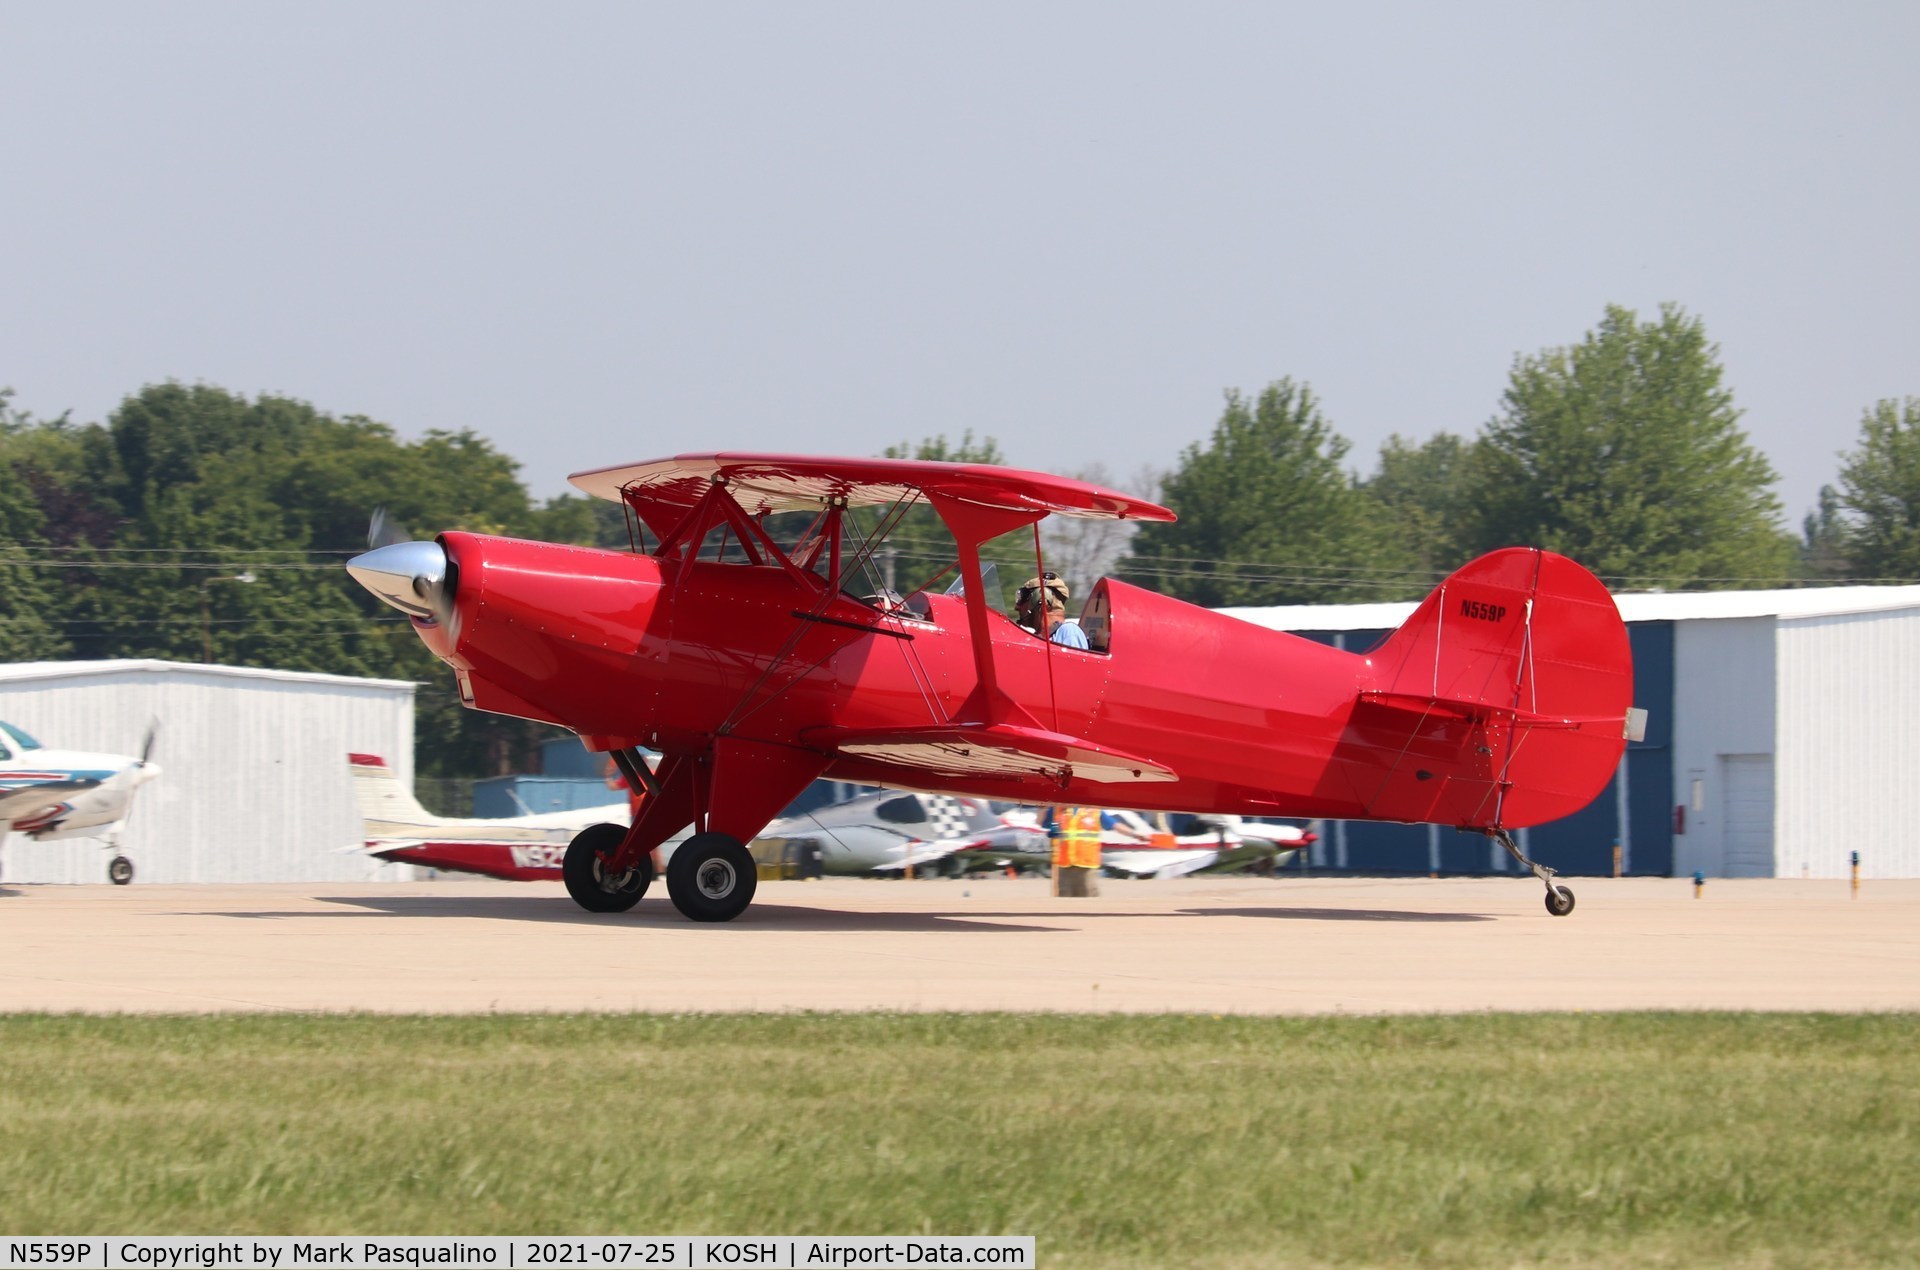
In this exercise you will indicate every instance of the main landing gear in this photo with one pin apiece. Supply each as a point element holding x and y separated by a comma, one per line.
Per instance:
<point>119,870</point>
<point>592,887</point>
<point>1559,898</point>
<point>711,877</point>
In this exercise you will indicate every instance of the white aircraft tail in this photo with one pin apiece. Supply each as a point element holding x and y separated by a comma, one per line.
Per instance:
<point>382,799</point>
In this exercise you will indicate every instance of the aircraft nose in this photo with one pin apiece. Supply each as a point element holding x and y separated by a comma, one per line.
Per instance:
<point>145,771</point>
<point>413,577</point>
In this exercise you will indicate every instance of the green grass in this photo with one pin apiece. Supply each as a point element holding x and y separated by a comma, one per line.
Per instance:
<point>1641,1139</point>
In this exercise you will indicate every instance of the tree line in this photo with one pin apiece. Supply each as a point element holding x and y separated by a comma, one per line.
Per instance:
<point>1623,451</point>
<point>198,524</point>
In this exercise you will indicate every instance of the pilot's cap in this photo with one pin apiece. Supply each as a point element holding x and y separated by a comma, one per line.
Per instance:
<point>1051,584</point>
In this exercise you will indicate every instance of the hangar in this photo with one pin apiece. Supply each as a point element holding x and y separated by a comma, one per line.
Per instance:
<point>253,785</point>
<point>1781,739</point>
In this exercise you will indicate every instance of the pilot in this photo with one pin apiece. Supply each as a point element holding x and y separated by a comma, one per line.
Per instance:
<point>1041,606</point>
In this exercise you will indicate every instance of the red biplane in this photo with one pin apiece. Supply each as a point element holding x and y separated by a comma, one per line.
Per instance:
<point>738,643</point>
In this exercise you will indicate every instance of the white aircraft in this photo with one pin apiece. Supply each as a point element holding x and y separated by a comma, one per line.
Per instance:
<point>886,831</point>
<point>1137,847</point>
<point>518,848</point>
<point>52,794</point>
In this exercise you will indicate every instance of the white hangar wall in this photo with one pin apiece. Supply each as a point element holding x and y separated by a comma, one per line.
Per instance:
<point>253,785</point>
<point>1848,748</point>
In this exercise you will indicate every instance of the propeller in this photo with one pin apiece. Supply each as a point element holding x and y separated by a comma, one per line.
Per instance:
<point>415,577</point>
<point>383,530</point>
<point>144,769</point>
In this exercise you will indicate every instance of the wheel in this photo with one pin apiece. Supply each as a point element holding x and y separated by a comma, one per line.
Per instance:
<point>589,885</point>
<point>120,870</point>
<point>711,878</point>
<point>1559,901</point>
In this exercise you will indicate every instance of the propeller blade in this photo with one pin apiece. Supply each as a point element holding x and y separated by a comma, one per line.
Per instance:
<point>146,746</point>
<point>383,530</point>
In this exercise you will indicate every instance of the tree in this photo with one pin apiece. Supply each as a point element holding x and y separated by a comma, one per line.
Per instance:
<point>1081,549</point>
<point>937,449</point>
<point>1823,545</point>
<point>1268,513</point>
<point>155,517</point>
<point>1625,452</point>
<point>29,595</point>
<point>918,549</point>
<point>1878,520</point>
<point>1420,490</point>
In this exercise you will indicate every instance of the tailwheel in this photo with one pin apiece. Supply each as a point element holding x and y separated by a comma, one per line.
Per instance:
<point>119,870</point>
<point>1559,898</point>
<point>588,881</point>
<point>711,878</point>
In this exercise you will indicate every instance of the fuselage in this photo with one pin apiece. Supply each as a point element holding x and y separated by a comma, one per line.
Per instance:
<point>53,794</point>
<point>887,831</point>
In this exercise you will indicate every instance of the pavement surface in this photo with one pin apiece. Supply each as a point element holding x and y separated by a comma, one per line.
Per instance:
<point>1213,945</point>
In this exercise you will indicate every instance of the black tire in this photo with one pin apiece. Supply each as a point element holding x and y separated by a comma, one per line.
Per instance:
<point>1559,901</point>
<point>711,878</point>
<point>119,870</point>
<point>586,881</point>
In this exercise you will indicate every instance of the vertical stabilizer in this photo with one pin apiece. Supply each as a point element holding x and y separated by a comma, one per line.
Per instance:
<point>380,797</point>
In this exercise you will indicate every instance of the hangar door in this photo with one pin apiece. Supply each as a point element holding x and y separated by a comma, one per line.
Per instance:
<point>1746,783</point>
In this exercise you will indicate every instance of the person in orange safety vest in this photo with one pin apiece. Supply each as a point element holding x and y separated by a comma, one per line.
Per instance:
<point>1075,834</point>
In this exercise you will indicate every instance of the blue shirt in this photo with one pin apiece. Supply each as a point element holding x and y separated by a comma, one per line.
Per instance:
<point>1067,634</point>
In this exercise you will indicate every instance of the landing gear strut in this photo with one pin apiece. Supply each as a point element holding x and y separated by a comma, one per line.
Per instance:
<point>1559,898</point>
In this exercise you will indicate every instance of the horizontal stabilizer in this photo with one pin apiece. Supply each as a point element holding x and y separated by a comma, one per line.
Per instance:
<point>1449,708</point>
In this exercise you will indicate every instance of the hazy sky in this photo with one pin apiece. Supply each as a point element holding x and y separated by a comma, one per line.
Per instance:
<point>598,233</point>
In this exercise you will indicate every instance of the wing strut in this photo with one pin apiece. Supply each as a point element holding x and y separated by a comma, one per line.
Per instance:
<point>971,525</point>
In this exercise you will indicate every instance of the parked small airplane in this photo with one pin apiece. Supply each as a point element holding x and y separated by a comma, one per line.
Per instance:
<point>886,831</point>
<point>1142,846</point>
<point>517,848</point>
<point>1214,844</point>
<point>53,794</point>
<point>755,643</point>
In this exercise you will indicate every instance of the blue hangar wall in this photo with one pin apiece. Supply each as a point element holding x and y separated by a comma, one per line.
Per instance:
<point>1636,808</point>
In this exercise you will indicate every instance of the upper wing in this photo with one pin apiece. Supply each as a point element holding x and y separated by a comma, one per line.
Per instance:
<point>992,750</point>
<point>781,482</point>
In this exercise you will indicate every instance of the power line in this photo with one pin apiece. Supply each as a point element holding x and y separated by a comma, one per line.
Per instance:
<point>1163,568</point>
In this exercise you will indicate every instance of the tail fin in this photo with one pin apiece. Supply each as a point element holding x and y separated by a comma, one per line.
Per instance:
<point>380,797</point>
<point>1503,701</point>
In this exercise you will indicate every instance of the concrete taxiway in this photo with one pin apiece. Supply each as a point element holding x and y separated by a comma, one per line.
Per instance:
<point>1215,945</point>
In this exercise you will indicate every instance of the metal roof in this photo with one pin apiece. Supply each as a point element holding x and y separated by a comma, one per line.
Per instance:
<point>1635,606</point>
<point>72,669</point>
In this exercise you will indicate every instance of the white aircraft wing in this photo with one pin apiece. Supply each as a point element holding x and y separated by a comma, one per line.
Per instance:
<point>1158,862</point>
<point>921,854</point>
